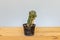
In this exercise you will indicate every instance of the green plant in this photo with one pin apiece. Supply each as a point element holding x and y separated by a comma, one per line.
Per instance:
<point>31,17</point>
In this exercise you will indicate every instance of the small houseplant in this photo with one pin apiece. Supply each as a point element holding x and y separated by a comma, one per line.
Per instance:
<point>29,27</point>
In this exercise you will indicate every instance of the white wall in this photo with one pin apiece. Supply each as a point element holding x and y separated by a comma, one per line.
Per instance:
<point>15,12</point>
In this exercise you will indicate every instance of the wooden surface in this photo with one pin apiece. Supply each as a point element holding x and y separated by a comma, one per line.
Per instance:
<point>40,34</point>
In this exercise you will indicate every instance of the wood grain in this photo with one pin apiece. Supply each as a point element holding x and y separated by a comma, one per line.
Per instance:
<point>17,33</point>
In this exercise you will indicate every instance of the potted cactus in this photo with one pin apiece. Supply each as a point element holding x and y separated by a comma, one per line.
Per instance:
<point>29,27</point>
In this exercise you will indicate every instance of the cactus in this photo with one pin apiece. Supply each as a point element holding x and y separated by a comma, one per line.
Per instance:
<point>31,17</point>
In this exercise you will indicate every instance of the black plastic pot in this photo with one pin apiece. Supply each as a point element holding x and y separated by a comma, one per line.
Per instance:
<point>29,31</point>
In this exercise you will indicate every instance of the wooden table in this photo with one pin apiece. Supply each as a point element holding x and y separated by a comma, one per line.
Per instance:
<point>17,33</point>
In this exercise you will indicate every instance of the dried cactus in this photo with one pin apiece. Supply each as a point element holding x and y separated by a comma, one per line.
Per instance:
<point>32,16</point>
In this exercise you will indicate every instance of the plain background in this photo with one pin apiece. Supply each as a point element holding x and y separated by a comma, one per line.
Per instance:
<point>15,12</point>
